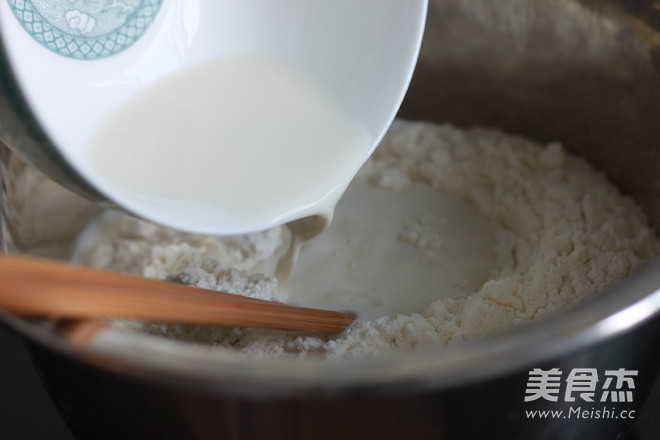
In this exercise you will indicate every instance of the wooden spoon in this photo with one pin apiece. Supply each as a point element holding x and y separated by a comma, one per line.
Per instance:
<point>33,286</point>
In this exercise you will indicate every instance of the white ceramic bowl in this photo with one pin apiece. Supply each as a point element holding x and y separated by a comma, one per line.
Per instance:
<point>74,65</point>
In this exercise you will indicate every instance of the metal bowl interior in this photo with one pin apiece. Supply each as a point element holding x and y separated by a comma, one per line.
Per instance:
<point>586,73</point>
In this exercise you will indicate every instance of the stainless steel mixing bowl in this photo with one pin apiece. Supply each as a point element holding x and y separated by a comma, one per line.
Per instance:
<point>586,73</point>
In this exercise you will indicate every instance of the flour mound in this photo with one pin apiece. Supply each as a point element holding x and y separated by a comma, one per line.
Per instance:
<point>562,233</point>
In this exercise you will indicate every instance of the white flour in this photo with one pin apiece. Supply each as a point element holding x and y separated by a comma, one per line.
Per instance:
<point>561,233</point>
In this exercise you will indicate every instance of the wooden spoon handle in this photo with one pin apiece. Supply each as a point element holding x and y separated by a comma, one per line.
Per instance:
<point>49,288</point>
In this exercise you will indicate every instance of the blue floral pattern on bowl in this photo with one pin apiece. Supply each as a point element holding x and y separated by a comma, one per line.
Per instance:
<point>85,29</point>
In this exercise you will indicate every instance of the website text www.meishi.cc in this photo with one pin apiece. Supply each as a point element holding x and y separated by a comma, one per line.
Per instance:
<point>580,412</point>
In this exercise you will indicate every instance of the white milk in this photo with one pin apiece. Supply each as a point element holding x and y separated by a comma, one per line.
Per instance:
<point>232,146</point>
<point>393,252</point>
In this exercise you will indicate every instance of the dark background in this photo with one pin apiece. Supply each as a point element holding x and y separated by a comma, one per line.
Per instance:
<point>26,412</point>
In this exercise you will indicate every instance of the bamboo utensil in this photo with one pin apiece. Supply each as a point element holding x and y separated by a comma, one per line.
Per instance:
<point>32,286</point>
